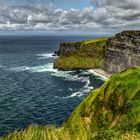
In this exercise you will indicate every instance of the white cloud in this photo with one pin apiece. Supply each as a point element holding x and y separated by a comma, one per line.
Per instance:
<point>109,15</point>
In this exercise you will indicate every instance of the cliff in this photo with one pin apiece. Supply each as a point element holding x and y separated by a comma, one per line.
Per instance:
<point>123,51</point>
<point>67,48</point>
<point>111,112</point>
<point>81,55</point>
<point>111,54</point>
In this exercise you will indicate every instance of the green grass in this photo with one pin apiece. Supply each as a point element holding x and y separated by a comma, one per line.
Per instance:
<point>102,39</point>
<point>78,62</point>
<point>115,105</point>
<point>111,112</point>
<point>90,55</point>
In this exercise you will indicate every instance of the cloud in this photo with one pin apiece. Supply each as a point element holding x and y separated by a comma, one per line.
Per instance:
<point>101,16</point>
<point>119,13</point>
<point>124,4</point>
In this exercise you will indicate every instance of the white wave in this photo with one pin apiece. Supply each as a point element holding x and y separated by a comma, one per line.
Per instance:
<point>67,75</point>
<point>43,68</point>
<point>71,76</point>
<point>45,55</point>
<point>86,89</point>
<point>70,89</point>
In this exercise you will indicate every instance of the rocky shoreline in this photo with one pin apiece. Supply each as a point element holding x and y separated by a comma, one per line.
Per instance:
<point>102,73</point>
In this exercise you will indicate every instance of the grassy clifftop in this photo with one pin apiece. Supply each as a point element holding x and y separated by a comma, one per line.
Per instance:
<point>90,55</point>
<point>113,107</point>
<point>109,113</point>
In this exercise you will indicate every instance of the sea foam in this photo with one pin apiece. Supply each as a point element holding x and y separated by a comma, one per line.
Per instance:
<point>45,55</point>
<point>42,68</point>
<point>84,90</point>
<point>70,76</point>
<point>100,76</point>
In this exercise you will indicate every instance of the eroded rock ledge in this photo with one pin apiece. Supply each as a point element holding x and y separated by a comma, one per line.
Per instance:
<point>123,51</point>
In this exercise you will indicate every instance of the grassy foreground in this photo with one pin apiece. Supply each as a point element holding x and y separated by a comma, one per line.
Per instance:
<point>111,112</point>
<point>90,55</point>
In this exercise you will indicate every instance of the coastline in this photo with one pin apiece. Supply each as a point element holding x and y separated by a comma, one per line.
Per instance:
<point>97,72</point>
<point>101,73</point>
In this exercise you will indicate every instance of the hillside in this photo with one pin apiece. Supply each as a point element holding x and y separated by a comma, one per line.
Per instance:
<point>116,105</point>
<point>81,55</point>
<point>111,112</point>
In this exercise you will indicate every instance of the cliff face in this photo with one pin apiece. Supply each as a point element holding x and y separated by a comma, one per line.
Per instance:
<point>68,48</point>
<point>123,51</point>
<point>81,55</point>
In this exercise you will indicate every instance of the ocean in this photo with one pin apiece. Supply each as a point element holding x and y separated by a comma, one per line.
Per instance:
<point>31,91</point>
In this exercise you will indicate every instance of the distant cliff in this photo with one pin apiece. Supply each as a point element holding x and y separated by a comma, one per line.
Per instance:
<point>81,55</point>
<point>122,51</point>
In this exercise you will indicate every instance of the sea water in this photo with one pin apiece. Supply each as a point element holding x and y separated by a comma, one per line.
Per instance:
<point>31,91</point>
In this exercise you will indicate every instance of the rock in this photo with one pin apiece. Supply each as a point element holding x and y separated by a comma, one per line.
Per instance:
<point>123,51</point>
<point>55,64</point>
<point>57,53</point>
<point>69,48</point>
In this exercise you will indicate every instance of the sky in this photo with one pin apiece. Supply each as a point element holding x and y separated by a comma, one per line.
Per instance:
<point>69,16</point>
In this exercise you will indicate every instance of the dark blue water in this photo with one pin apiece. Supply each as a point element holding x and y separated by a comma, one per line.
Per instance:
<point>31,91</point>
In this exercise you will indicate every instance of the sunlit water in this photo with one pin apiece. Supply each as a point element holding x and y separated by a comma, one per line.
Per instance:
<point>31,91</point>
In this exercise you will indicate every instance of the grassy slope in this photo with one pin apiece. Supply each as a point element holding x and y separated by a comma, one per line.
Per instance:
<point>115,105</point>
<point>90,55</point>
<point>109,113</point>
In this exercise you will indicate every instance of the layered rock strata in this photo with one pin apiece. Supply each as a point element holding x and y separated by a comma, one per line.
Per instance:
<point>123,51</point>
